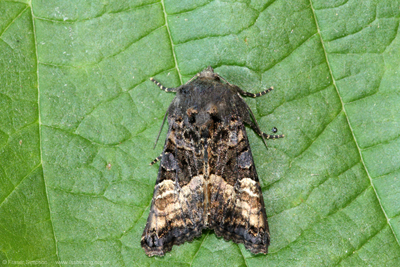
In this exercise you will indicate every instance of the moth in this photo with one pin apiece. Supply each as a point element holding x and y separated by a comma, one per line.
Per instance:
<point>207,178</point>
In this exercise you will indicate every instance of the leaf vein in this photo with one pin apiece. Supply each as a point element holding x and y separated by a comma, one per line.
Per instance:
<point>349,125</point>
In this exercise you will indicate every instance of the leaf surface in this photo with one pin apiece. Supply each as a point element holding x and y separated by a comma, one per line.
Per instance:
<point>79,116</point>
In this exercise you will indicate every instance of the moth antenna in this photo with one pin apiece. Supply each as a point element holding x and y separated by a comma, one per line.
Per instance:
<point>244,93</point>
<point>159,132</point>
<point>162,87</point>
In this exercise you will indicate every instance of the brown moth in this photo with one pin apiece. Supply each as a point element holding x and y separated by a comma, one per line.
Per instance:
<point>207,178</point>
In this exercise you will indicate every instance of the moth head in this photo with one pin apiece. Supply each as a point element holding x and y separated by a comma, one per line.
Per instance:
<point>208,73</point>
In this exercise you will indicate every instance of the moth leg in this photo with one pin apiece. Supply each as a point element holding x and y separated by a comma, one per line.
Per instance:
<point>244,93</point>
<point>222,78</point>
<point>194,77</point>
<point>163,87</point>
<point>159,132</point>
<point>262,134</point>
<point>156,159</point>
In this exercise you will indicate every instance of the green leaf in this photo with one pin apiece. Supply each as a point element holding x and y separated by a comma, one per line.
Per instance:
<point>79,116</point>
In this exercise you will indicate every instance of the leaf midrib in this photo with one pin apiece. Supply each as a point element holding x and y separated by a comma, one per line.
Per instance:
<point>40,132</point>
<point>171,42</point>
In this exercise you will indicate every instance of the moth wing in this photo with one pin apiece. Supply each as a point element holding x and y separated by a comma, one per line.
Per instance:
<point>237,205</point>
<point>176,212</point>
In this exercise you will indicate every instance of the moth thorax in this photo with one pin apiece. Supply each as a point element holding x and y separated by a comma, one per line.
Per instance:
<point>208,73</point>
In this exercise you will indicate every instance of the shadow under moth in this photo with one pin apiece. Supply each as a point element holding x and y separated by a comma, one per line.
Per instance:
<point>207,178</point>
